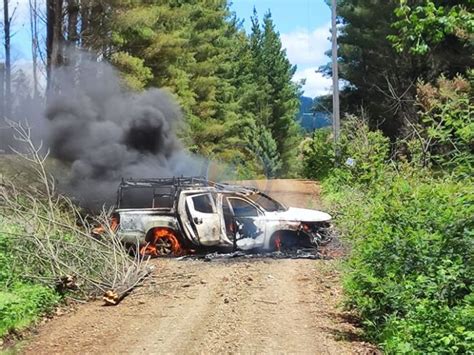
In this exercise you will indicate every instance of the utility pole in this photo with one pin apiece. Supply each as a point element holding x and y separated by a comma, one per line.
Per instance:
<point>336,125</point>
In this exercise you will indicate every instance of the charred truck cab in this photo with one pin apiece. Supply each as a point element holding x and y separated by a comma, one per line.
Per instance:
<point>170,216</point>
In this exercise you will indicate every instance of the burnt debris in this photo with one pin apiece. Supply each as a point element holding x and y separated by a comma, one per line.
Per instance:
<point>301,253</point>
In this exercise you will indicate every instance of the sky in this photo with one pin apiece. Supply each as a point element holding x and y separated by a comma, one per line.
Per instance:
<point>304,29</point>
<point>303,26</point>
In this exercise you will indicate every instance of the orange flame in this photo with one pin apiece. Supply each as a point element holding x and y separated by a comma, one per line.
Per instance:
<point>163,243</point>
<point>277,242</point>
<point>114,223</point>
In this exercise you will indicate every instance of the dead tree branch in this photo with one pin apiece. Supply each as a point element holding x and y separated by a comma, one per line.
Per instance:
<point>56,242</point>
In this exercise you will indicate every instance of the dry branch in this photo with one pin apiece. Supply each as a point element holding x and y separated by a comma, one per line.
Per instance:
<point>55,242</point>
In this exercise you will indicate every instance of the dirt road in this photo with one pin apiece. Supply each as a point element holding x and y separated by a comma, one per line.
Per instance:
<point>223,306</point>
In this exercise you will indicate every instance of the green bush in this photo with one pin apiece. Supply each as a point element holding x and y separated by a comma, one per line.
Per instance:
<point>6,260</point>
<point>318,154</point>
<point>368,150</point>
<point>23,304</point>
<point>410,273</point>
<point>410,231</point>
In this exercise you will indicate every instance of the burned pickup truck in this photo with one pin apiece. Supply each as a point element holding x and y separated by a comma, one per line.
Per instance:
<point>172,216</point>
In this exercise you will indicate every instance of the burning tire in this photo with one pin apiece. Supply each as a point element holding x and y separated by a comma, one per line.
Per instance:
<point>283,240</point>
<point>286,240</point>
<point>162,242</point>
<point>275,242</point>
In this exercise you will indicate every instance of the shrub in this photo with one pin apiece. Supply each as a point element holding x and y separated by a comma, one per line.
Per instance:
<point>318,154</point>
<point>410,226</point>
<point>410,273</point>
<point>6,259</point>
<point>368,151</point>
<point>22,304</point>
<point>447,131</point>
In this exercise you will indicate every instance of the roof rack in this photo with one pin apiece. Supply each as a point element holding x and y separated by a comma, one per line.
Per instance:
<point>236,188</point>
<point>183,181</point>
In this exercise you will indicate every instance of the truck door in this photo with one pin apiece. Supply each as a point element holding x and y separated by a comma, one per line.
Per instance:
<point>250,224</point>
<point>204,218</point>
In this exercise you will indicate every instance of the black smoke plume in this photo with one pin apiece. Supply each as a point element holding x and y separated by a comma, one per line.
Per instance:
<point>102,132</point>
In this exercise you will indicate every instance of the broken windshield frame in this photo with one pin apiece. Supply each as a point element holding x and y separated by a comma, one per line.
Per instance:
<point>266,202</point>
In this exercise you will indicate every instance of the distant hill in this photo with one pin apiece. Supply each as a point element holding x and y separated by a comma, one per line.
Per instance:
<point>309,119</point>
<point>306,104</point>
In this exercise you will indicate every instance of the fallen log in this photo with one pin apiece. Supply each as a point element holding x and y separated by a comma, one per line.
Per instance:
<point>114,296</point>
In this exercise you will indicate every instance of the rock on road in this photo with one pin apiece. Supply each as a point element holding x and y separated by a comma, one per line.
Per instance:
<point>224,306</point>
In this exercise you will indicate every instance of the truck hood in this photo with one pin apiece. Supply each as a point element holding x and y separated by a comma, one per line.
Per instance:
<point>299,215</point>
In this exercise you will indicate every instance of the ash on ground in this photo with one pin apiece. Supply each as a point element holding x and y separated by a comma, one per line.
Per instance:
<point>335,249</point>
<point>303,253</point>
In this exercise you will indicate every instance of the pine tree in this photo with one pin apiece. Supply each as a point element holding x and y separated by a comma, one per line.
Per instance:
<point>265,150</point>
<point>190,47</point>
<point>274,98</point>
<point>381,80</point>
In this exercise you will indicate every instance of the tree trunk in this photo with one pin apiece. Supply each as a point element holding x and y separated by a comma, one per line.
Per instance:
<point>34,44</point>
<point>50,17</point>
<point>8,68</point>
<point>54,38</point>
<point>85,19</point>
<point>73,14</point>
<point>2,91</point>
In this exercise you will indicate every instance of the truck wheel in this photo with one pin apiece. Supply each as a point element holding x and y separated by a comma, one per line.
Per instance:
<point>162,242</point>
<point>285,240</point>
<point>275,242</point>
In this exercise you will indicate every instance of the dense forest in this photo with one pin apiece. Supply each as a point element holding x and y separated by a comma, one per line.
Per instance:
<point>399,180</point>
<point>235,89</point>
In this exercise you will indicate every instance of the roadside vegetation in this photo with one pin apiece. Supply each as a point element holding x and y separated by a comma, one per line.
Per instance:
<point>400,181</point>
<point>21,301</point>
<point>406,212</point>
<point>48,253</point>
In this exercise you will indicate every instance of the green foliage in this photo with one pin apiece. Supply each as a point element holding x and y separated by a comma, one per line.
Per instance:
<point>132,69</point>
<point>424,24</point>
<point>410,226</point>
<point>448,123</point>
<point>6,259</point>
<point>410,272</point>
<point>318,155</point>
<point>368,151</point>
<point>22,304</point>
<point>262,145</point>
<point>274,98</point>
